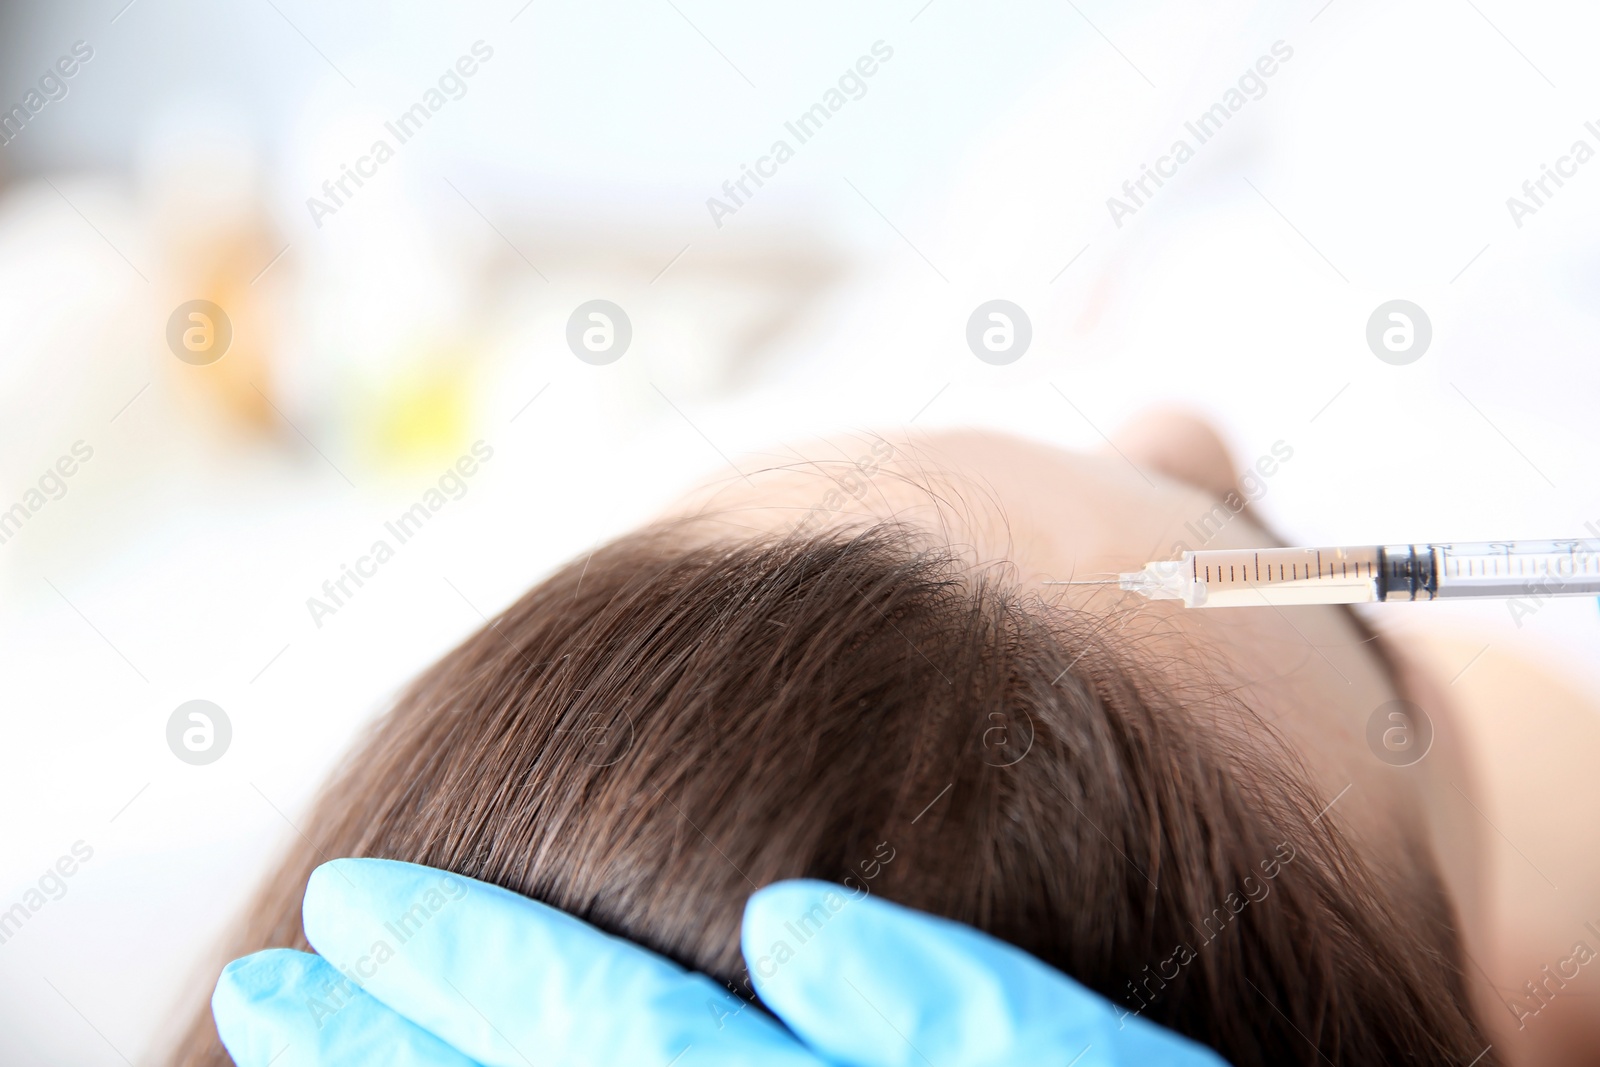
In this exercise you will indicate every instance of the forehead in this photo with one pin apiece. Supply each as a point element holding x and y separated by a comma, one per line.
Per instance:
<point>1048,511</point>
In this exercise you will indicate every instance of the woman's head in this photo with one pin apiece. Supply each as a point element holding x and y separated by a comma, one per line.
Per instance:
<point>693,712</point>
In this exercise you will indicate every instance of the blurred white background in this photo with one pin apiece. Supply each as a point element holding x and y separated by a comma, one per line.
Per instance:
<point>373,346</point>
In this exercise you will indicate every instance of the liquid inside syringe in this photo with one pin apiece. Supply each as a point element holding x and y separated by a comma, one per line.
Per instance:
<point>1217,578</point>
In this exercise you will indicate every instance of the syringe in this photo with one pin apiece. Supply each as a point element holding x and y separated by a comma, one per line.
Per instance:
<point>1229,577</point>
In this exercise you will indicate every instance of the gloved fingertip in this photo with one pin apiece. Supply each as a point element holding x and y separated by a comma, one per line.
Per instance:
<point>782,917</point>
<point>241,1003</point>
<point>770,907</point>
<point>336,879</point>
<point>341,888</point>
<point>261,974</point>
<point>281,1008</point>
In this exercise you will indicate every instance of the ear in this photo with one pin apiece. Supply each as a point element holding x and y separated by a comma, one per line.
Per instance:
<point>1181,445</point>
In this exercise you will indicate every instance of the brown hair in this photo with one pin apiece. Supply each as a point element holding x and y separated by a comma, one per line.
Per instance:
<point>646,737</point>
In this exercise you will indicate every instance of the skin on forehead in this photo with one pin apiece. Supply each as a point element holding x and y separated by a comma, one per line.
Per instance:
<point>1047,514</point>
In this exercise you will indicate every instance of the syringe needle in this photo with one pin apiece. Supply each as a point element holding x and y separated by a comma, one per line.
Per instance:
<point>1082,581</point>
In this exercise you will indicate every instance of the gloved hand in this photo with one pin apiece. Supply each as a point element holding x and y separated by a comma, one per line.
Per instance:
<point>457,973</point>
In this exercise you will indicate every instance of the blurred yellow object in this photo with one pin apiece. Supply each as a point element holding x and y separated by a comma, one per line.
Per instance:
<point>420,412</point>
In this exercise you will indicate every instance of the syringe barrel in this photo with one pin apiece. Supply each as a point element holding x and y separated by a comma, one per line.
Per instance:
<point>1531,569</point>
<point>1250,577</point>
<point>1218,578</point>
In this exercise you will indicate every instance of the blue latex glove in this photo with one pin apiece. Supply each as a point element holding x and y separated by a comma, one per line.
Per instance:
<point>457,972</point>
